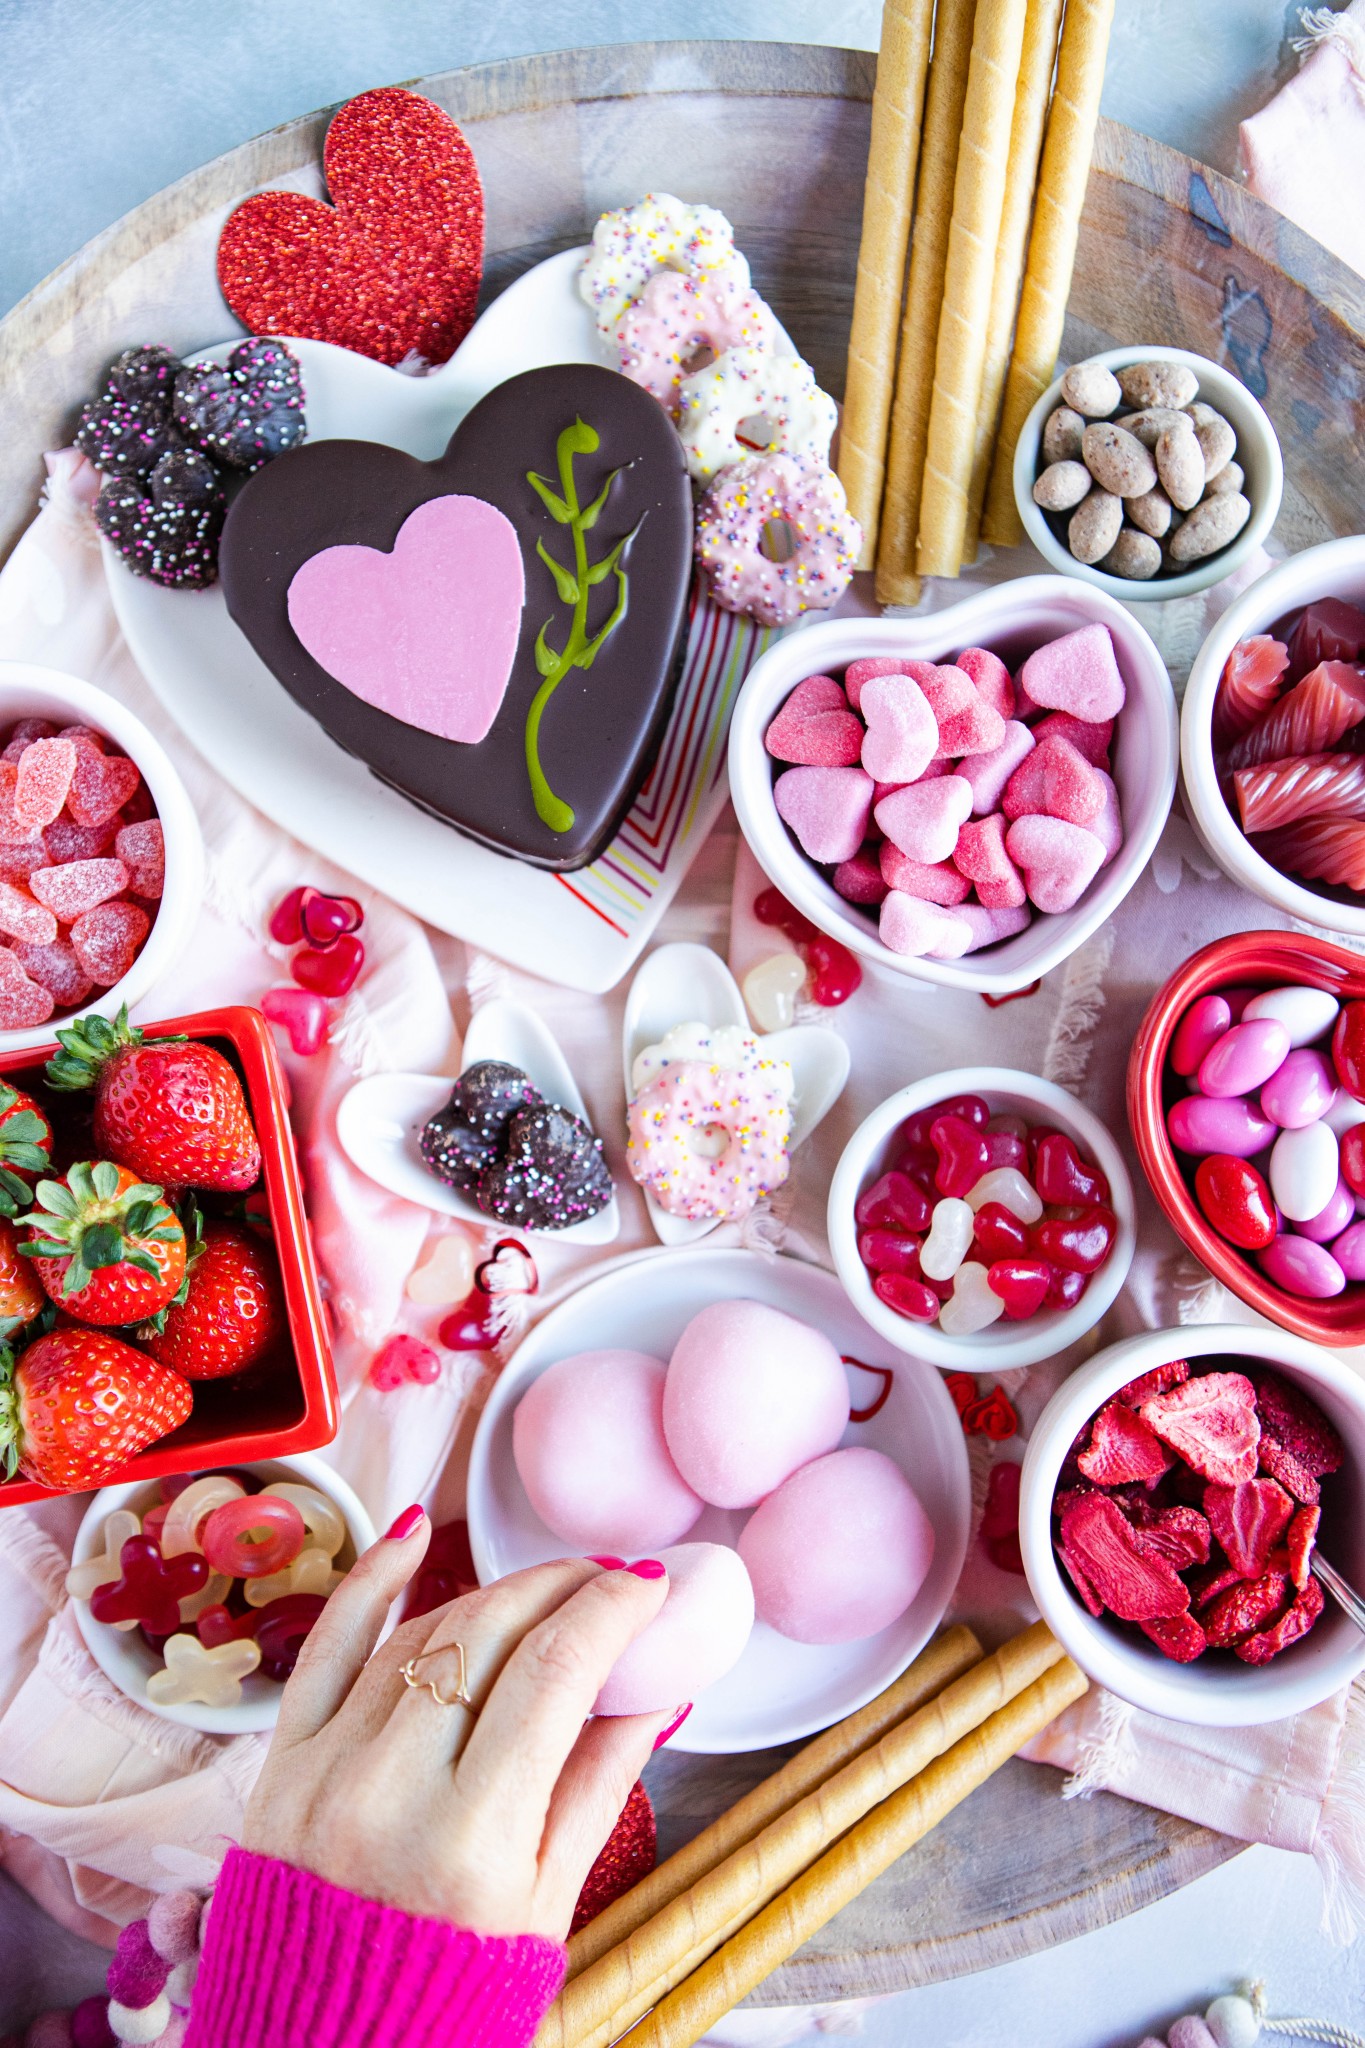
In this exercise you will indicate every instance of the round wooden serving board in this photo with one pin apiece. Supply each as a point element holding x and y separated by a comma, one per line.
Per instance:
<point>777,136</point>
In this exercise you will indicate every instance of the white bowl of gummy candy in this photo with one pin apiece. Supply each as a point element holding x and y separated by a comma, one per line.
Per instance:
<point>155,928</point>
<point>819,1482</point>
<point>1012,621</point>
<point>128,1658</point>
<point>877,1154</point>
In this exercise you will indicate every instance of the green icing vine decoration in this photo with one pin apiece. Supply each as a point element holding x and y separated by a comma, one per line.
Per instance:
<point>574,586</point>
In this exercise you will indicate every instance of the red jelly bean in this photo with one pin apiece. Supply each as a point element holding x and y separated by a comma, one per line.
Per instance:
<point>1348,1049</point>
<point>217,1625</point>
<point>249,1538</point>
<point>1063,1178</point>
<point>907,1297</point>
<point>834,973</point>
<point>1078,1244</point>
<point>886,1251</point>
<point>332,973</point>
<point>325,919</point>
<point>151,1587</point>
<point>999,1233</point>
<point>1235,1198</point>
<point>1353,1159</point>
<point>972,1110</point>
<point>1065,1289</point>
<point>1004,1149</point>
<point>1021,1284</point>
<point>892,1203</point>
<point>283,1626</point>
<point>962,1155</point>
<point>919,1163</point>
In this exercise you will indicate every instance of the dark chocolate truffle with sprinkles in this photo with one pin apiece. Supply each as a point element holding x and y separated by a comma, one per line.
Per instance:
<point>553,1174</point>
<point>167,526</point>
<point>243,412</point>
<point>466,1139</point>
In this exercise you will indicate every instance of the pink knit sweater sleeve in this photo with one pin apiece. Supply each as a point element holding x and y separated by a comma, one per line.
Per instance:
<point>289,1959</point>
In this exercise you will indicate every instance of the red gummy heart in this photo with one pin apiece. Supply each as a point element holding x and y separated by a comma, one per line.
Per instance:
<point>772,907</point>
<point>446,1571</point>
<point>1004,1149</point>
<point>815,727</point>
<point>392,266</point>
<point>971,1108</point>
<point>1022,1284</point>
<point>887,1251</point>
<point>469,1327</point>
<point>302,1013</point>
<point>325,919</point>
<point>333,973</point>
<point>961,1153</point>
<point>892,1203</point>
<point>834,973</point>
<point>509,1269</point>
<point>1078,1244</point>
<point>404,1358</point>
<point>1000,1518</point>
<point>1062,1177</point>
<point>999,1233</point>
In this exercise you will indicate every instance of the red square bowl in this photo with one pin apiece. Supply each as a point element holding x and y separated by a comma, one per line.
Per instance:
<point>1246,960</point>
<point>289,1402</point>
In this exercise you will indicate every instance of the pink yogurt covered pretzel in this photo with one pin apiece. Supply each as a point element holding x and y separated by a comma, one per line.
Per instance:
<point>800,492</point>
<point>676,317</point>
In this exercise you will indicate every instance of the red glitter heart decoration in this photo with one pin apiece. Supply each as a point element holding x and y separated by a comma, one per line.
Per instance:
<point>392,266</point>
<point>628,1856</point>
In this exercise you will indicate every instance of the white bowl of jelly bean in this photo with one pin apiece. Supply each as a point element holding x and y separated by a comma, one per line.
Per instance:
<point>1245,1097</point>
<point>1174,1494</point>
<point>194,1593</point>
<point>982,1212</point>
<point>101,857</point>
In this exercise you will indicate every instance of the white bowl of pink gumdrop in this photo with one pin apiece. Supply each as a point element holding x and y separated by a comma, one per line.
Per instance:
<point>777,1688</point>
<point>1013,621</point>
<point>1002,1344</point>
<point>124,1655</point>
<point>27,691</point>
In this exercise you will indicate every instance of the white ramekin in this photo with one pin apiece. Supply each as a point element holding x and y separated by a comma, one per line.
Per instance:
<point>1012,619</point>
<point>1258,451</point>
<point>1214,1691</point>
<point>1004,1344</point>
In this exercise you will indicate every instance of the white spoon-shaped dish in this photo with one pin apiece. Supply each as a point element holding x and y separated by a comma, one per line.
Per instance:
<point>380,1120</point>
<point>686,984</point>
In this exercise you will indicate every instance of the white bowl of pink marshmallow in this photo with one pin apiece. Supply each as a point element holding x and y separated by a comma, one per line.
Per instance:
<point>962,798</point>
<point>802,1480</point>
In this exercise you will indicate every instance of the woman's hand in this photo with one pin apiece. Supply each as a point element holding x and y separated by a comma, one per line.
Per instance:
<point>492,1817</point>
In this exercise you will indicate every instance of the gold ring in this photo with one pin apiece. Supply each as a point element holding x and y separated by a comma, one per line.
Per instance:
<point>459,1698</point>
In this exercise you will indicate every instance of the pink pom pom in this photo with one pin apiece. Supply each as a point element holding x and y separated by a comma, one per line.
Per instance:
<point>137,1975</point>
<point>90,2026</point>
<point>1190,2032</point>
<point>49,2030</point>
<point>173,1925</point>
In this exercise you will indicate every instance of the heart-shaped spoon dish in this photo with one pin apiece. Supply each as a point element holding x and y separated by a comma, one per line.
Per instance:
<point>380,1120</point>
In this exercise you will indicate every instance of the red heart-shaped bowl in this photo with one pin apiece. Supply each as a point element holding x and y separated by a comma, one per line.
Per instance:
<point>1260,960</point>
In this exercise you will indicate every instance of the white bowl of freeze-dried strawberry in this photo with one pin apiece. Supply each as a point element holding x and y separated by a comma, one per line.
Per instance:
<point>101,859</point>
<point>1175,1493</point>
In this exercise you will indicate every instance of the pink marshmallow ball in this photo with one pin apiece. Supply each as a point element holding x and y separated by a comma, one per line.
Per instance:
<point>696,1637</point>
<point>840,1550</point>
<point>588,1443</point>
<point>751,1394</point>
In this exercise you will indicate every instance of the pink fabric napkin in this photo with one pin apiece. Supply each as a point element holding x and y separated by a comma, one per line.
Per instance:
<point>1305,150</point>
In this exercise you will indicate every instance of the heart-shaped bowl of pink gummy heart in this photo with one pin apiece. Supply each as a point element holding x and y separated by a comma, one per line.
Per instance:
<point>1309,860</point>
<point>874,1252</point>
<point>64,960</point>
<point>1013,621</point>
<point>127,1658</point>
<point>1123,1541</point>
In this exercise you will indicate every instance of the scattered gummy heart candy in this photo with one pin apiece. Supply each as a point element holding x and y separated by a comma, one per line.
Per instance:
<point>472,1326</point>
<point>1000,1518</point>
<point>508,1269</point>
<point>770,990</point>
<point>333,973</point>
<point>832,973</point>
<point>446,1275</point>
<point>325,919</point>
<point>300,1012</point>
<point>445,1573</point>
<point>404,1358</point>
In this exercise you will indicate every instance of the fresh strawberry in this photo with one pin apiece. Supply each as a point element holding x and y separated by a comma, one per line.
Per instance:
<point>233,1311</point>
<point>25,1148</point>
<point>78,1404</point>
<point>104,1244</point>
<point>171,1109</point>
<point>21,1298</point>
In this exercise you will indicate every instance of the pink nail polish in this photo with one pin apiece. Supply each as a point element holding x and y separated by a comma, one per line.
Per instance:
<point>648,1568</point>
<point>609,1564</point>
<point>673,1726</point>
<point>410,1519</point>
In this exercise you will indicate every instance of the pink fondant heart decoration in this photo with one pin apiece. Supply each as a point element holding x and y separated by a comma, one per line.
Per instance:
<point>427,633</point>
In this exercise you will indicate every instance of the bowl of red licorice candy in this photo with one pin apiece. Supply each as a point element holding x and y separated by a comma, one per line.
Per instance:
<point>1246,1099</point>
<point>1177,1492</point>
<point>1272,738</point>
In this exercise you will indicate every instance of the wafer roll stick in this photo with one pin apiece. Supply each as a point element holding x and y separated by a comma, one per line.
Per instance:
<point>1036,64</point>
<point>946,1658</point>
<point>897,114</point>
<point>852,1864</point>
<point>968,280</point>
<point>897,582</point>
<point>1062,180</point>
<point>600,2003</point>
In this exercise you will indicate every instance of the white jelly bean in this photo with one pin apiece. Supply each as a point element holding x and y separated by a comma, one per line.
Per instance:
<point>971,1306</point>
<point>1306,1013</point>
<point>1303,1170</point>
<point>771,989</point>
<point>951,1230</point>
<point>1006,1185</point>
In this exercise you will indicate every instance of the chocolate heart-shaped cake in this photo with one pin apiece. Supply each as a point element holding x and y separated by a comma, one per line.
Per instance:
<point>495,633</point>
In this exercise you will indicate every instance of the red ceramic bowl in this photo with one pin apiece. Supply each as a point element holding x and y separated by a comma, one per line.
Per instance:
<point>289,1402</point>
<point>1247,959</point>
